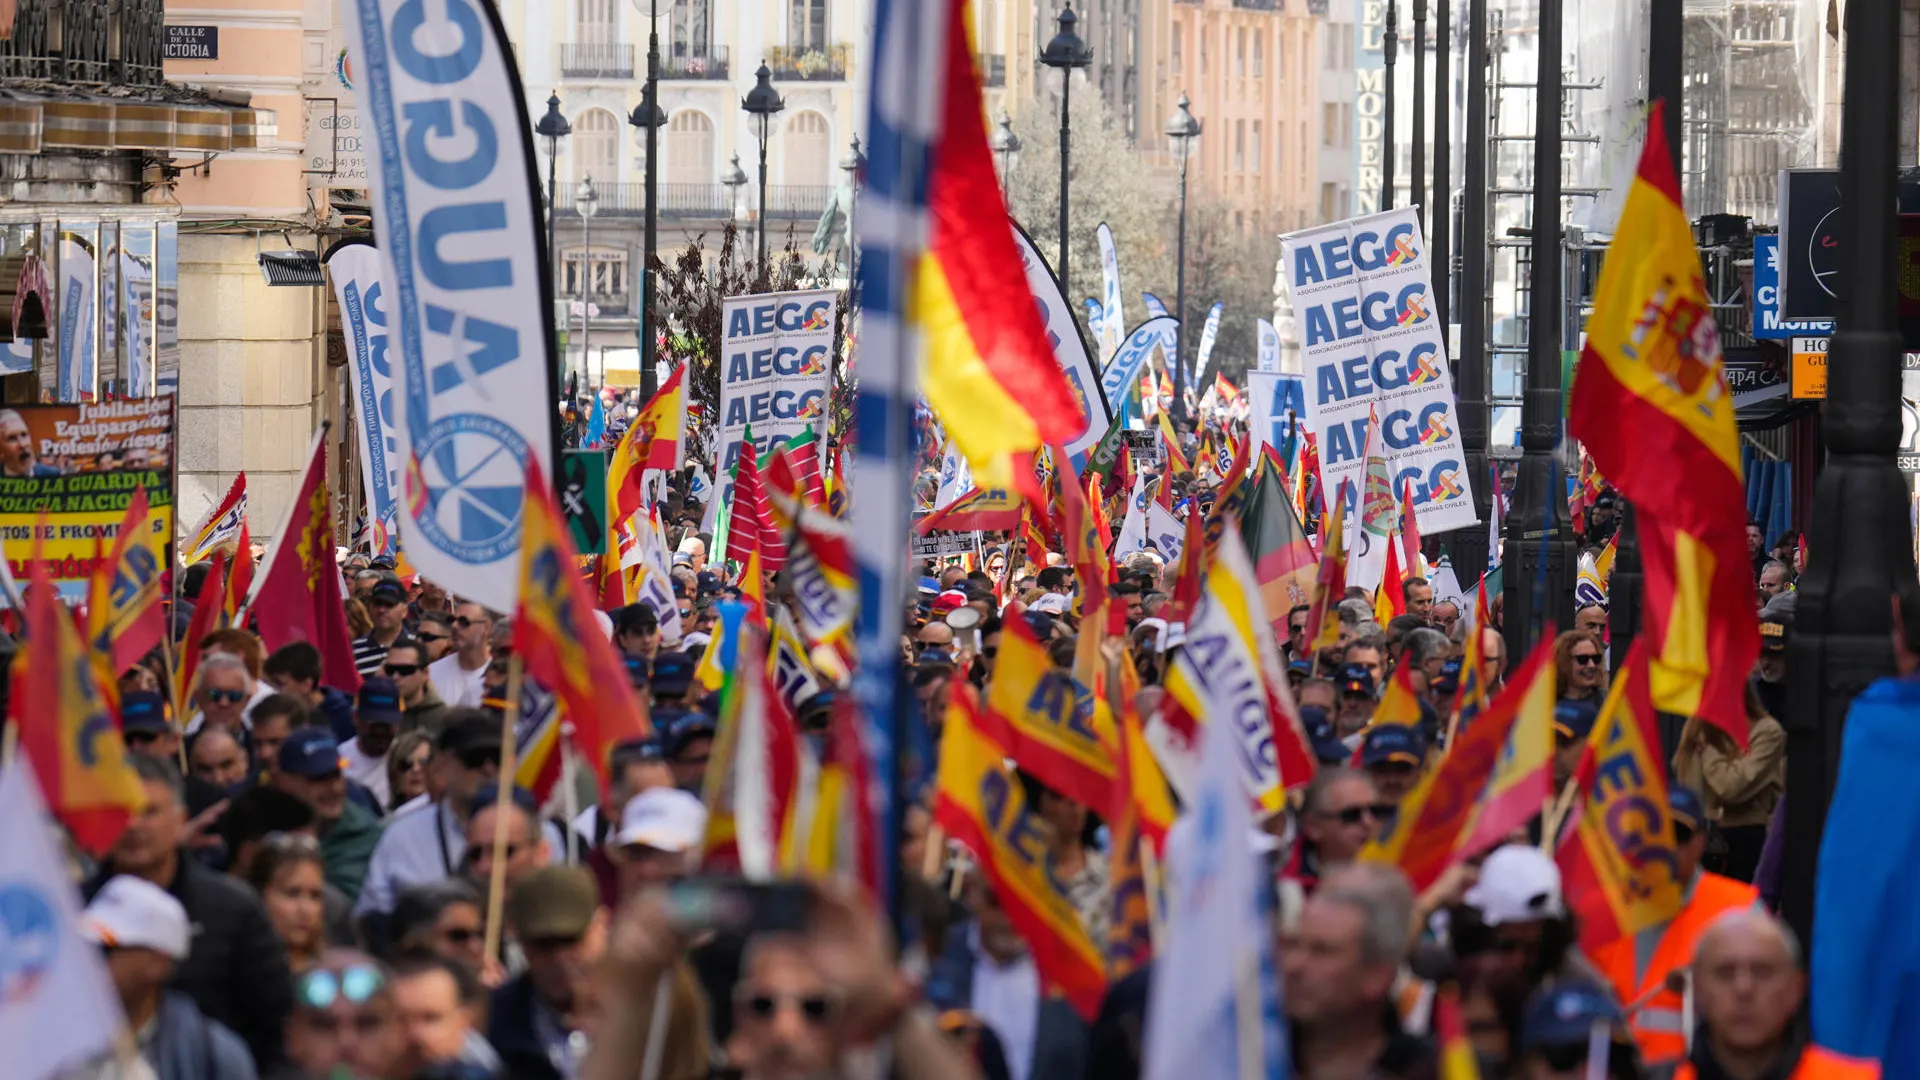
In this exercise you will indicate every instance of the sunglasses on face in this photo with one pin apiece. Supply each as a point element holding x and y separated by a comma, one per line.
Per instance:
<point>401,671</point>
<point>357,983</point>
<point>141,738</point>
<point>1354,815</point>
<point>479,757</point>
<point>815,1007</point>
<point>1585,659</point>
<point>429,638</point>
<point>473,854</point>
<point>462,935</point>
<point>225,697</point>
<point>462,622</point>
<point>382,603</point>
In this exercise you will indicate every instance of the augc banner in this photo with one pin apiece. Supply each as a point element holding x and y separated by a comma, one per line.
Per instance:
<point>1369,338</point>
<point>1277,405</point>
<point>355,269</point>
<point>79,315</point>
<point>776,355</point>
<point>1123,367</point>
<point>452,172</point>
<point>1068,347</point>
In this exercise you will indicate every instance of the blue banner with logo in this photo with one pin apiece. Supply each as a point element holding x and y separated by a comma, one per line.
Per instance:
<point>1123,368</point>
<point>355,267</point>
<point>1767,320</point>
<point>776,357</point>
<point>457,209</point>
<point>1373,351</point>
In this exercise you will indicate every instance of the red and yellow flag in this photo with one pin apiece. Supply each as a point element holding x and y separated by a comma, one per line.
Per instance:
<point>1651,404</point>
<point>63,706</point>
<point>1457,1058</point>
<point>301,584</point>
<point>1474,695</point>
<point>205,620</point>
<point>980,803</point>
<point>1618,861</point>
<point>1047,722</point>
<point>990,373</point>
<point>125,618</point>
<point>559,640</point>
<point>239,577</point>
<point>1283,559</point>
<point>1496,776</point>
<point>1330,583</point>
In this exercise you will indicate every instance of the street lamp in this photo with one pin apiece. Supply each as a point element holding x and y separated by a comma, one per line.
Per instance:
<point>1182,132</point>
<point>1006,150</point>
<point>1390,47</point>
<point>762,102</point>
<point>588,204</point>
<point>552,127</point>
<point>649,117</point>
<point>734,179</point>
<point>1065,53</point>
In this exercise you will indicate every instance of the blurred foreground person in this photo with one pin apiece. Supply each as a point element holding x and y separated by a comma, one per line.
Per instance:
<point>345,1025</point>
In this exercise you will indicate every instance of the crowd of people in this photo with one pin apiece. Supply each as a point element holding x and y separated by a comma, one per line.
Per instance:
<point>309,897</point>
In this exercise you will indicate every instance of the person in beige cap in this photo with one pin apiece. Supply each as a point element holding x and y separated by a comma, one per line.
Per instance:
<point>658,830</point>
<point>144,933</point>
<point>535,1021</point>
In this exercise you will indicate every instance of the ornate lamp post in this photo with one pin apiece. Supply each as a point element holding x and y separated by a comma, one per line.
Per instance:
<point>761,103</point>
<point>588,203</point>
<point>1183,131</point>
<point>1066,53</point>
<point>649,117</point>
<point>1006,150</point>
<point>553,127</point>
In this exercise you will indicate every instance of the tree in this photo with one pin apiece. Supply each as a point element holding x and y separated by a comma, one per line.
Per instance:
<point>692,290</point>
<point>1109,182</point>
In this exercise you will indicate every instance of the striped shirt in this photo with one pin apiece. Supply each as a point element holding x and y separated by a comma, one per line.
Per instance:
<point>368,655</point>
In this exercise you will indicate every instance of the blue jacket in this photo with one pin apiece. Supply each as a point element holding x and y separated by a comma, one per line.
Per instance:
<point>337,706</point>
<point>1061,1039</point>
<point>1866,966</point>
<point>188,1046</point>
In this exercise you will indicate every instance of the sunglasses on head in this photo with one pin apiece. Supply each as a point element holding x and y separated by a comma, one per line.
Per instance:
<point>291,841</point>
<point>357,983</point>
<point>815,1007</point>
<point>225,697</point>
<point>401,671</point>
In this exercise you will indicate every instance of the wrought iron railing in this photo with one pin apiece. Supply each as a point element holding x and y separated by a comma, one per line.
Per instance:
<point>116,43</point>
<point>595,60</point>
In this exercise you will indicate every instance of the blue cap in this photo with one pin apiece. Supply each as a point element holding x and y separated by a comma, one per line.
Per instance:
<point>1356,679</point>
<point>930,587</point>
<point>379,701</point>
<point>1573,720</point>
<point>672,673</point>
<point>1299,666</point>
<point>310,752</point>
<point>1327,747</point>
<point>1564,1014</point>
<point>1448,681</point>
<point>1392,744</point>
<point>685,728</point>
<point>144,710</point>
<point>639,670</point>
<point>1688,811</point>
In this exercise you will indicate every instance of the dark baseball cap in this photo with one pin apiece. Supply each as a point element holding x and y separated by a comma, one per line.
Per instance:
<point>1773,635</point>
<point>1448,681</point>
<point>1327,747</point>
<point>310,752</point>
<point>1688,811</point>
<point>469,734</point>
<point>634,617</point>
<point>1564,1015</point>
<point>379,701</point>
<point>1392,744</point>
<point>1356,679</point>
<point>687,727</point>
<point>388,590</point>
<point>1573,720</point>
<point>144,710</point>
<point>672,673</point>
<point>1300,666</point>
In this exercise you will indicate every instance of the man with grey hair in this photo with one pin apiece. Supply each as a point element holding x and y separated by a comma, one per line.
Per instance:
<point>17,458</point>
<point>1747,991</point>
<point>1355,617</point>
<point>1354,933</point>
<point>1425,649</point>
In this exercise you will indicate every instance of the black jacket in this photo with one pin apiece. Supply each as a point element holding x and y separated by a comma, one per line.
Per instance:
<point>237,970</point>
<point>510,1029</point>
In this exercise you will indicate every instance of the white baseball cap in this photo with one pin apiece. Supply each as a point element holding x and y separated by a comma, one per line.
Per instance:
<point>1051,603</point>
<point>1518,883</point>
<point>663,818</point>
<point>133,913</point>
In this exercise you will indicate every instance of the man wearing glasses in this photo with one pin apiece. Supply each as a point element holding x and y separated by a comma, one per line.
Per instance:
<point>460,676</point>
<point>421,708</point>
<point>387,605</point>
<point>534,1022</point>
<point>1340,813</point>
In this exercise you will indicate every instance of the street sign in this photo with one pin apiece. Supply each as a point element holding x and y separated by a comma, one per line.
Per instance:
<point>1810,368</point>
<point>1767,321</point>
<point>583,498</point>
<point>191,43</point>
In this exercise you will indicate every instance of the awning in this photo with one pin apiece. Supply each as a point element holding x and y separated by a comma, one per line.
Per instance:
<point>33,126</point>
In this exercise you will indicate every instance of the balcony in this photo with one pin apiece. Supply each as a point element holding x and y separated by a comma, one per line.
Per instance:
<point>696,67</point>
<point>1260,5</point>
<point>993,69</point>
<point>784,201</point>
<point>797,201</point>
<point>595,60</point>
<point>118,43</point>
<point>808,65</point>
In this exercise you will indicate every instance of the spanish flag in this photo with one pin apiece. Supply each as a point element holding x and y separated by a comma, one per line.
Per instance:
<point>990,372</point>
<point>1651,404</point>
<point>63,707</point>
<point>652,441</point>
<point>1618,860</point>
<point>558,639</point>
<point>980,802</point>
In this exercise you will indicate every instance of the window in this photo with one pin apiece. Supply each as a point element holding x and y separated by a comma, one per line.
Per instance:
<point>1240,52</point>
<point>1280,147</point>
<point>1203,50</point>
<point>596,147</point>
<point>1239,223</point>
<point>602,270</point>
<point>1329,124</point>
<point>689,30</point>
<point>1301,163</point>
<point>1330,58</point>
<point>1329,201</point>
<point>594,21</point>
<point>1259,55</point>
<point>1239,145</point>
<point>1256,147</point>
<point>1176,48</point>
<point>1346,125</point>
<point>807,25</point>
<point>808,150</point>
<point>1280,56</point>
<point>689,148</point>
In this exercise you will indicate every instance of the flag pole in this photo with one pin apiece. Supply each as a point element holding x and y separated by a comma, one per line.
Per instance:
<point>509,744</point>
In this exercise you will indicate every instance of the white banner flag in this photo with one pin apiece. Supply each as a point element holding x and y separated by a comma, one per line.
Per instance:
<point>1113,322</point>
<point>461,239</point>
<point>79,348</point>
<point>1208,335</point>
<point>1068,348</point>
<point>1370,340</point>
<point>355,268</point>
<point>1269,356</point>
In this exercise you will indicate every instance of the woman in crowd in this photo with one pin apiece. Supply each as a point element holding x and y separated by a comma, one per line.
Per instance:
<point>1739,790</point>
<point>407,767</point>
<point>288,874</point>
<point>1580,667</point>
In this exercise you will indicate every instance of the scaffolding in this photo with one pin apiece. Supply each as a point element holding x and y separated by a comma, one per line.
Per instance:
<point>1748,114</point>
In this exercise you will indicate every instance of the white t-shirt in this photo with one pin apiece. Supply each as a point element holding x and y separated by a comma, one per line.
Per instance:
<point>368,772</point>
<point>457,686</point>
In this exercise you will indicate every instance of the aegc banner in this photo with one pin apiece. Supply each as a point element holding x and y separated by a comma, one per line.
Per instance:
<point>776,355</point>
<point>1369,341</point>
<point>355,269</point>
<point>1069,349</point>
<point>1277,409</point>
<point>452,172</point>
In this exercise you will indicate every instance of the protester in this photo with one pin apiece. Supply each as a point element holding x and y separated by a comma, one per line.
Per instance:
<point>1393,756</point>
<point>296,669</point>
<point>1340,970</point>
<point>344,1020</point>
<point>236,970</point>
<point>225,690</point>
<point>434,632</point>
<point>459,677</point>
<point>444,918</point>
<point>1747,992</point>
<point>386,604</point>
<point>1357,700</point>
<point>988,969</point>
<point>290,877</point>
<point>536,1021</point>
<point>311,769</point>
<point>660,830</point>
<point>1340,813</point>
<point>274,719</point>
<point>376,719</point>
<point>218,760</point>
<point>407,769</point>
<point>1591,619</point>
<point>421,708</point>
<point>145,935</point>
<point>1738,788</point>
<point>1416,593</point>
<point>440,1004</point>
<point>1557,1036</point>
<point>524,848</point>
<point>1579,662</point>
